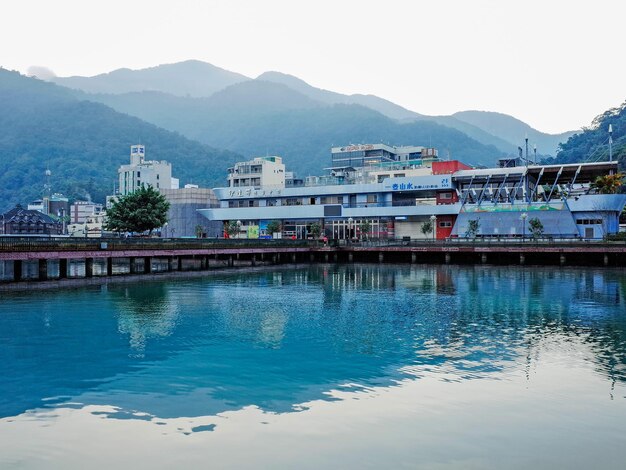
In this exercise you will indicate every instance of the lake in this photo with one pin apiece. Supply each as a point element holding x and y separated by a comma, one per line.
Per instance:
<point>320,366</point>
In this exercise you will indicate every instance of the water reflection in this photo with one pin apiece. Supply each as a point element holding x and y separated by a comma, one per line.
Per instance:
<point>275,340</point>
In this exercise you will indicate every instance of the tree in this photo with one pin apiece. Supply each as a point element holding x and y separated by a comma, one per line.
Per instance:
<point>141,211</point>
<point>608,184</point>
<point>427,228</point>
<point>316,229</point>
<point>536,227</point>
<point>472,228</point>
<point>365,228</point>
<point>273,227</point>
<point>199,231</point>
<point>231,228</point>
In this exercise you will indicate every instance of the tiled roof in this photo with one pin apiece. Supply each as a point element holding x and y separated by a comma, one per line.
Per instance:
<point>19,214</point>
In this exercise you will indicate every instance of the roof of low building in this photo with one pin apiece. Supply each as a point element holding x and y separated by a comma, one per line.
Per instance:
<point>28,216</point>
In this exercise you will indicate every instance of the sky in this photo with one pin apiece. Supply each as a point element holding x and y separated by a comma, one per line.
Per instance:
<point>555,64</point>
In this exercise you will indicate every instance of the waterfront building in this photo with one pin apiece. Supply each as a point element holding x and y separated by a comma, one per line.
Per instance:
<point>140,171</point>
<point>183,218</point>
<point>91,227</point>
<point>398,198</point>
<point>20,221</point>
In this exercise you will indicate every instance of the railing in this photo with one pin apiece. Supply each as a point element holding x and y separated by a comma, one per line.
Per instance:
<point>13,244</point>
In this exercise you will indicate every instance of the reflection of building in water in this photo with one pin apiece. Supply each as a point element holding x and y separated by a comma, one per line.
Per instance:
<point>272,327</point>
<point>145,312</point>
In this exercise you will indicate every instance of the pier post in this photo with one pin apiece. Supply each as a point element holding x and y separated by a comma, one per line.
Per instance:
<point>413,257</point>
<point>293,258</point>
<point>231,262</point>
<point>110,266</point>
<point>278,257</point>
<point>483,258</point>
<point>17,270</point>
<point>562,259</point>
<point>63,268</point>
<point>522,258</point>
<point>43,269</point>
<point>350,257</point>
<point>253,260</point>
<point>170,263</point>
<point>203,262</point>
<point>206,262</point>
<point>312,258</point>
<point>335,257</point>
<point>325,257</point>
<point>133,265</point>
<point>448,258</point>
<point>606,260</point>
<point>381,257</point>
<point>147,265</point>
<point>179,264</point>
<point>88,267</point>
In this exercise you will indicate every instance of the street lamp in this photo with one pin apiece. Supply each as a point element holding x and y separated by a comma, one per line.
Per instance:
<point>238,228</point>
<point>433,222</point>
<point>350,220</point>
<point>523,218</point>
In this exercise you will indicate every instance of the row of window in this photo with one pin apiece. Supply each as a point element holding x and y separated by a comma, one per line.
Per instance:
<point>589,222</point>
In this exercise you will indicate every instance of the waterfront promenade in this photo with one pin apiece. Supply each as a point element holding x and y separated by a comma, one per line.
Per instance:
<point>40,259</point>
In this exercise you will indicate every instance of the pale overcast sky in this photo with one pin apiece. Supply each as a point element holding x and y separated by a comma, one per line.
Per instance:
<point>552,63</point>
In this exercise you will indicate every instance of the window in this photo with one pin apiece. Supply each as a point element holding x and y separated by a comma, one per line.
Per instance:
<point>445,224</point>
<point>445,195</point>
<point>138,174</point>
<point>372,198</point>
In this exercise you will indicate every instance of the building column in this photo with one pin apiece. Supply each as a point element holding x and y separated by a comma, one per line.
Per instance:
<point>88,267</point>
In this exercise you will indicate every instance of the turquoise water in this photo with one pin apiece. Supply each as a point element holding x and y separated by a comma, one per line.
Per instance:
<point>327,366</point>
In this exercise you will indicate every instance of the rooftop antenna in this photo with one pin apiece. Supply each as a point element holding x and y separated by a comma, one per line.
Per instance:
<point>535,151</point>
<point>610,142</point>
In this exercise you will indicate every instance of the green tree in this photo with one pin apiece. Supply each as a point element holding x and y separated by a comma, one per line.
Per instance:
<point>141,211</point>
<point>365,227</point>
<point>608,184</point>
<point>316,229</point>
<point>536,227</point>
<point>231,228</point>
<point>273,227</point>
<point>472,228</point>
<point>199,231</point>
<point>427,228</point>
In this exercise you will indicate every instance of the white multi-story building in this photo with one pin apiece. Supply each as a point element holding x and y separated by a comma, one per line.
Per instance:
<point>140,171</point>
<point>81,210</point>
<point>267,172</point>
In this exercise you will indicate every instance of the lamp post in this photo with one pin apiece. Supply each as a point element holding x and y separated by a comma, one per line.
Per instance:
<point>238,228</point>
<point>523,218</point>
<point>433,222</point>
<point>350,220</point>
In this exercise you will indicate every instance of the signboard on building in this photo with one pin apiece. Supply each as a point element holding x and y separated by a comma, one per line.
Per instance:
<point>418,183</point>
<point>253,231</point>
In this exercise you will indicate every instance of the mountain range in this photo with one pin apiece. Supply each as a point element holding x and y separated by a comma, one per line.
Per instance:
<point>195,79</point>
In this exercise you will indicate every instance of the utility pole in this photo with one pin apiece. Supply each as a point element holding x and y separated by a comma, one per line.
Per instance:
<point>535,150</point>
<point>526,139</point>
<point>610,142</point>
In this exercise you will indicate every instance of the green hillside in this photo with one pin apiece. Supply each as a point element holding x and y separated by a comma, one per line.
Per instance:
<point>258,117</point>
<point>593,143</point>
<point>83,143</point>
